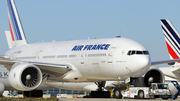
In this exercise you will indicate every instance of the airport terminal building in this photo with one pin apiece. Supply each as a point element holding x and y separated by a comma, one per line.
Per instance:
<point>54,91</point>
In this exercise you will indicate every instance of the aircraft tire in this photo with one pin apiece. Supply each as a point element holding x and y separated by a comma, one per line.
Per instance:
<point>26,94</point>
<point>37,93</point>
<point>34,93</point>
<point>100,94</point>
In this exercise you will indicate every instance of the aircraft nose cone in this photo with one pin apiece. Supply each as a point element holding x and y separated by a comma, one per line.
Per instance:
<point>144,63</point>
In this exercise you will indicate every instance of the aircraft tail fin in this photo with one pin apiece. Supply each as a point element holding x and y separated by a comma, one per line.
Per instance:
<point>172,38</point>
<point>16,30</point>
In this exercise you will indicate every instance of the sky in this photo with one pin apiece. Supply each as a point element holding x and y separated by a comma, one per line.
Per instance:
<point>60,20</point>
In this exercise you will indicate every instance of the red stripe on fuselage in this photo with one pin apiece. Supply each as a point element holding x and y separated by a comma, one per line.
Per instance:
<point>11,31</point>
<point>171,52</point>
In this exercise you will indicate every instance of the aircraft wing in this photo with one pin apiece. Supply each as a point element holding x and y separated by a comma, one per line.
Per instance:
<point>165,61</point>
<point>52,69</point>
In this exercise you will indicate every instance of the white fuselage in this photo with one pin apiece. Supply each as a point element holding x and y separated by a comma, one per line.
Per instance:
<point>91,60</point>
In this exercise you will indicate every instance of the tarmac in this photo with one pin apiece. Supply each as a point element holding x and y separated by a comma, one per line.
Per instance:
<point>108,99</point>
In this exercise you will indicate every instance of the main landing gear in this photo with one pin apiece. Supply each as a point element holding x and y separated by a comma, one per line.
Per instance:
<point>100,93</point>
<point>33,93</point>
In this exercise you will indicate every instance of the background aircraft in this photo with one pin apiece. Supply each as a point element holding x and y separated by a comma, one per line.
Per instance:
<point>172,38</point>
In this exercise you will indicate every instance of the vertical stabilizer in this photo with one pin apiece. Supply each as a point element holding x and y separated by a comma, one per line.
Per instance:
<point>16,30</point>
<point>172,38</point>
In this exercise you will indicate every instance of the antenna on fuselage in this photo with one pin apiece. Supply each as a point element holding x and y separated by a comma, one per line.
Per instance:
<point>119,35</point>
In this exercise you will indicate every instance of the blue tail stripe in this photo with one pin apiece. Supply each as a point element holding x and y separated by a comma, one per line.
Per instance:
<point>171,31</point>
<point>12,20</point>
<point>12,17</point>
<point>171,44</point>
<point>171,39</point>
<point>16,27</point>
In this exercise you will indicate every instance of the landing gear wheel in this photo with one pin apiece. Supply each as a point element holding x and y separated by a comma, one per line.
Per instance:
<point>165,98</point>
<point>34,93</point>
<point>100,94</point>
<point>26,94</point>
<point>117,93</point>
<point>37,93</point>
<point>141,94</point>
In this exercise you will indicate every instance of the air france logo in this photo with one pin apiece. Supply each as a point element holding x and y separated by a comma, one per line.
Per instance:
<point>3,74</point>
<point>91,47</point>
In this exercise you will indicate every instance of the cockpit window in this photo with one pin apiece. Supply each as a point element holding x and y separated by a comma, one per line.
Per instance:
<point>145,52</point>
<point>129,53</point>
<point>133,52</point>
<point>139,52</point>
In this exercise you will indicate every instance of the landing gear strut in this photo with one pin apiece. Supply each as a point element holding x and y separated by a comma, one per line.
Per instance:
<point>100,93</point>
<point>33,93</point>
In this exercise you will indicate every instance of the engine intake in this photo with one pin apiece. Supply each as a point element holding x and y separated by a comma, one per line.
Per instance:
<point>154,75</point>
<point>25,76</point>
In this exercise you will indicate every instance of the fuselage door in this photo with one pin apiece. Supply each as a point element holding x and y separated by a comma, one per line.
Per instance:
<point>110,55</point>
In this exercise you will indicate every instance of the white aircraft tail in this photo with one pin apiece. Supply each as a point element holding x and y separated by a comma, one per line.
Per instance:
<point>172,38</point>
<point>17,36</point>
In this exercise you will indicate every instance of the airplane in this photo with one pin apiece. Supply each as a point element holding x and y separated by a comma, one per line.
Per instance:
<point>95,60</point>
<point>172,39</point>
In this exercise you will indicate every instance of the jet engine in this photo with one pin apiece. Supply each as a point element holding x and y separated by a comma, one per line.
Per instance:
<point>25,76</point>
<point>1,88</point>
<point>153,75</point>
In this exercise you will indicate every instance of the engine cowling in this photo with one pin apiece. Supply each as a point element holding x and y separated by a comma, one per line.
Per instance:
<point>1,88</point>
<point>154,75</point>
<point>25,76</point>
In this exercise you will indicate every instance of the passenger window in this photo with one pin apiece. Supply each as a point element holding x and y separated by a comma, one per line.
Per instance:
<point>133,52</point>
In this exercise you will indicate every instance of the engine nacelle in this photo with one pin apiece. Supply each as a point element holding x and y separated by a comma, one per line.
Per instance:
<point>154,75</point>
<point>1,88</point>
<point>25,76</point>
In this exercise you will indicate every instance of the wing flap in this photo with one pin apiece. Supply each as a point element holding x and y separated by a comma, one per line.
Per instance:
<point>53,69</point>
